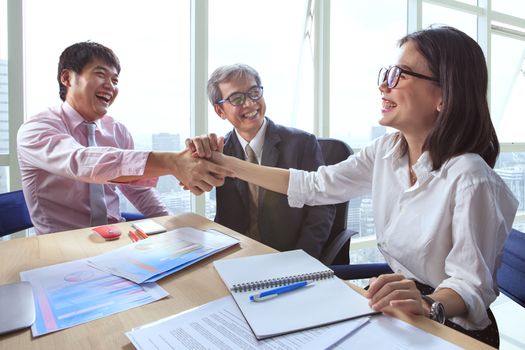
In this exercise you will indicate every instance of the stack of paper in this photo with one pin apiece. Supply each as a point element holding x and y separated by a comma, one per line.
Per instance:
<point>149,260</point>
<point>220,325</point>
<point>73,293</point>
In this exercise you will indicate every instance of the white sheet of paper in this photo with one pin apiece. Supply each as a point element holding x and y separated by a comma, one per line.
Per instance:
<point>384,332</point>
<point>220,324</point>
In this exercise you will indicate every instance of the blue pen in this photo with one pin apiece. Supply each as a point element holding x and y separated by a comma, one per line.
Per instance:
<point>272,293</point>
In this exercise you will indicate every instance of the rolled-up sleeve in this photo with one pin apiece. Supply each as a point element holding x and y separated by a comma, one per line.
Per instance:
<point>46,146</point>
<point>333,184</point>
<point>482,217</point>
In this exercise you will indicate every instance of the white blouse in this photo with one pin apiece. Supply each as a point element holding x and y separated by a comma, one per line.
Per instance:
<point>446,231</point>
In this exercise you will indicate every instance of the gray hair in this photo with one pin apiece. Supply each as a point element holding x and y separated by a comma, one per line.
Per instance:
<point>229,73</point>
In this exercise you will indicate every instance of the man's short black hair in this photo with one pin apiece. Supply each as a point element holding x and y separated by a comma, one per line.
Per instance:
<point>78,55</point>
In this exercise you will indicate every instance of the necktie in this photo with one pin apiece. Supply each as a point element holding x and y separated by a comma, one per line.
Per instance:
<point>97,201</point>
<point>253,230</point>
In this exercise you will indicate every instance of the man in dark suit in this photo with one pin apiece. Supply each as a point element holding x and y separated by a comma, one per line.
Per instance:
<point>237,96</point>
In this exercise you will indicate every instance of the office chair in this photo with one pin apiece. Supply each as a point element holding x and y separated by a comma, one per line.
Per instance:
<point>14,214</point>
<point>337,247</point>
<point>511,273</point>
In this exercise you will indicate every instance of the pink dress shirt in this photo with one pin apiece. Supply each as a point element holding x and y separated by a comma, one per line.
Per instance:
<point>56,167</point>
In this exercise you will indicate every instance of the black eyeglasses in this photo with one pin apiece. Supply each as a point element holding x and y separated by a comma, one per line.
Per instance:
<point>391,76</point>
<point>238,98</point>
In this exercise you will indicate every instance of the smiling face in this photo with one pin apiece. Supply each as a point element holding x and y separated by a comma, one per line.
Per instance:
<point>247,118</point>
<point>412,106</point>
<point>92,91</point>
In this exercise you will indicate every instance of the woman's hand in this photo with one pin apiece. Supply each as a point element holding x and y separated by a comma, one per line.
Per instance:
<point>202,146</point>
<point>396,291</point>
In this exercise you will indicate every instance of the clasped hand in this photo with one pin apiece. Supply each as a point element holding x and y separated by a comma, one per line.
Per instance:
<point>396,291</point>
<point>201,149</point>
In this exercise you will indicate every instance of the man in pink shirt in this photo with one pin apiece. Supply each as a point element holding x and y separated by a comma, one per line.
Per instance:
<point>57,166</point>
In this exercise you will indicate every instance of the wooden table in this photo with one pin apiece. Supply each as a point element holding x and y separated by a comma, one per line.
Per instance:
<point>193,286</point>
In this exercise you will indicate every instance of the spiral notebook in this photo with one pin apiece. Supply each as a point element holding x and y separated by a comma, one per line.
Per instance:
<point>328,300</point>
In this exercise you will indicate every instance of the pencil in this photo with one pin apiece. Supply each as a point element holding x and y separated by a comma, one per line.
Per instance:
<point>141,234</point>
<point>133,236</point>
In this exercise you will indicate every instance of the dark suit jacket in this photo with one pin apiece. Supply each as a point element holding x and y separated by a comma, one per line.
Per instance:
<point>280,226</point>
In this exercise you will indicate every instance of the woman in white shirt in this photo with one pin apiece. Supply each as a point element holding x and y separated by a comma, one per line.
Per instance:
<point>441,213</point>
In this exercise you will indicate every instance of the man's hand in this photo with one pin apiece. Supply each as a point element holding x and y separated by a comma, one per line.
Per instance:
<point>396,291</point>
<point>197,174</point>
<point>202,146</point>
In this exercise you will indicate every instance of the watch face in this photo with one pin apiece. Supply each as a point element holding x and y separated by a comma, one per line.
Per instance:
<point>437,312</point>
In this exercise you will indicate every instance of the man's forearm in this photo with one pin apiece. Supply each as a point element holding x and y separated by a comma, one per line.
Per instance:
<point>157,164</point>
<point>195,174</point>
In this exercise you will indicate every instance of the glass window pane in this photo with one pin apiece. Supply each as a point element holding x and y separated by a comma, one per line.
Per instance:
<point>510,7</point>
<point>276,50</point>
<point>362,41</point>
<point>4,179</point>
<point>4,127</point>
<point>355,101</point>
<point>508,88</point>
<point>470,2</point>
<point>152,43</point>
<point>4,109</point>
<point>435,14</point>
<point>511,167</point>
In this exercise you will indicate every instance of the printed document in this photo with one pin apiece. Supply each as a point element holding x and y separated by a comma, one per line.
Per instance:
<point>386,333</point>
<point>73,293</point>
<point>220,325</point>
<point>148,260</point>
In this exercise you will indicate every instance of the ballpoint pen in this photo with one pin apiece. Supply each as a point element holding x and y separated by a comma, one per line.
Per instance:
<point>281,290</point>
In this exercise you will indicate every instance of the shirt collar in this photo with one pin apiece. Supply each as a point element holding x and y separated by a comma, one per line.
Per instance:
<point>422,168</point>
<point>257,142</point>
<point>73,118</point>
<point>394,152</point>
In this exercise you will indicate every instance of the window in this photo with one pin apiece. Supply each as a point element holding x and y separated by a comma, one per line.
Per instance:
<point>510,7</point>
<point>275,47</point>
<point>4,179</point>
<point>4,134</point>
<point>152,43</point>
<point>362,41</point>
<point>508,87</point>
<point>435,14</point>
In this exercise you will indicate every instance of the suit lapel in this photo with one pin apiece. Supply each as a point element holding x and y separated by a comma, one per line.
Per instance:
<point>270,155</point>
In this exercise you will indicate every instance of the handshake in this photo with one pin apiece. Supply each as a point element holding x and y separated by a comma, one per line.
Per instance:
<point>202,164</point>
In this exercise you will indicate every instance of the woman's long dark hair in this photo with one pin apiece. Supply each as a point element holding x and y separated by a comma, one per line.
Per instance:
<point>464,124</point>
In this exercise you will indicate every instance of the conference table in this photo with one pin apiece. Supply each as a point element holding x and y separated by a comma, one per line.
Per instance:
<point>188,288</point>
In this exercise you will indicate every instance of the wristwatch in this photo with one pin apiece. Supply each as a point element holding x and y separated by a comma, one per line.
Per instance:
<point>437,311</point>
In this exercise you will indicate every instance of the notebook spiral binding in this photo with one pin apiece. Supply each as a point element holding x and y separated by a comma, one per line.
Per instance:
<point>277,282</point>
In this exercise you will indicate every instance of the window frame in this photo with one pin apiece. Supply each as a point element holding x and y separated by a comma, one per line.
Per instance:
<point>318,14</point>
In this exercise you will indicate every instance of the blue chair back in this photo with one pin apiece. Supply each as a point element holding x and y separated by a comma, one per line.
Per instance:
<point>14,215</point>
<point>511,274</point>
